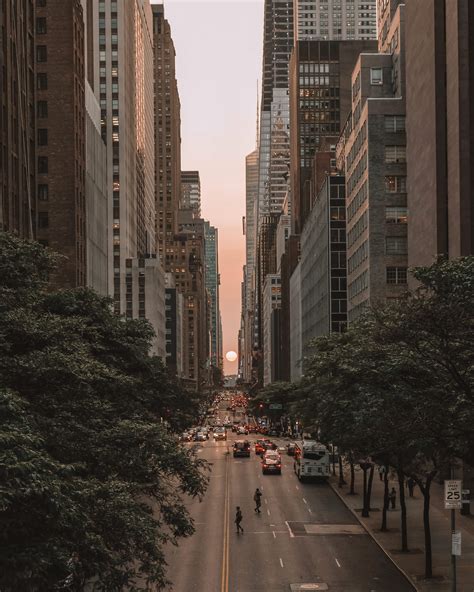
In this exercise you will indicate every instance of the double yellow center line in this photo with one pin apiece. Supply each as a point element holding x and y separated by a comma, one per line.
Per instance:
<point>226,541</point>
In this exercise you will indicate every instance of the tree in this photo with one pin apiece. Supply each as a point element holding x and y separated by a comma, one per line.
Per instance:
<point>92,479</point>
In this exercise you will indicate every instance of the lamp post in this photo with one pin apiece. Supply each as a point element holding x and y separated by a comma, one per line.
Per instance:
<point>365,465</point>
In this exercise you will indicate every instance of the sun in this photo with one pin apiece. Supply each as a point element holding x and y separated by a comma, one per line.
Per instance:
<point>231,356</point>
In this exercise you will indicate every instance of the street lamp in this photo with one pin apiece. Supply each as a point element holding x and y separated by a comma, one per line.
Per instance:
<point>365,465</point>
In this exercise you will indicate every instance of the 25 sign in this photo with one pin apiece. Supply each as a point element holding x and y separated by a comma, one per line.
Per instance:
<point>453,494</point>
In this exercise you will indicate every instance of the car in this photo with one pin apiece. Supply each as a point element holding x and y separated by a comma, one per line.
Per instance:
<point>290,449</point>
<point>242,430</point>
<point>220,434</point>
<point>271,462</point>
<point>260,446</point>
<point>241,448</point>
<point>273,432</point>
<point>186,437</point>
<point>200,437</point>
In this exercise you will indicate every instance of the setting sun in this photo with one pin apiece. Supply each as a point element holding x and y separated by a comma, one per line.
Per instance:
<point>231,356</point>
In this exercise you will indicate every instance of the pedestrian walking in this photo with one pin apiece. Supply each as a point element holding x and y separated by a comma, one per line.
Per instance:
<point>238,520</point>
<point>411,486</point>
<point>257,498</point>
<point>393,498</point>
<point>381,472</point>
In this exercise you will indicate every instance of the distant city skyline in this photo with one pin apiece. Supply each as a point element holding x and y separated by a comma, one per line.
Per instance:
<point>217,71</point>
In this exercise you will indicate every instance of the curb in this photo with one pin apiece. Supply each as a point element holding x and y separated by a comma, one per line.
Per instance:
<point>372,536</point>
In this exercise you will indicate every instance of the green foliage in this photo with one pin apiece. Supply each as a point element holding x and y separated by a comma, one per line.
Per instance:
<point>92,480</point>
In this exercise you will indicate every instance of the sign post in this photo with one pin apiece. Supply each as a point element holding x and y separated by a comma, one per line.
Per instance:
<point>453,502</point>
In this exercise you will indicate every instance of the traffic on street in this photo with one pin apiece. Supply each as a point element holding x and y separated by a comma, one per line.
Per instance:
<point>299,536</point>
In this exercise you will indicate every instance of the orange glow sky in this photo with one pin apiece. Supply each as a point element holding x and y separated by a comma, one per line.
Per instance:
<point>218,56</point>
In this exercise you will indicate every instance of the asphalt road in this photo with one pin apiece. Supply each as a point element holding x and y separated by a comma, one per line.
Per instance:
<point>304,535</point>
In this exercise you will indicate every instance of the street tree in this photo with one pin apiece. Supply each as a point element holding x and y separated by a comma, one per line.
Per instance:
<point>93,480</point>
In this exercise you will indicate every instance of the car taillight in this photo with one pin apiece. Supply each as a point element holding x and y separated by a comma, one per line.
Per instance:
<point>278,466</point>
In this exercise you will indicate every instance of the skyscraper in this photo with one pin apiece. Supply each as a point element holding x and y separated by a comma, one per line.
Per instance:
<point>61,137</point>
<point>212,286</point>
<point>17,124</point>
<point>167,134</point>
<point>440,129</point>
<point>126,100</point>
<point>191,192</point>
<point>335,19</point>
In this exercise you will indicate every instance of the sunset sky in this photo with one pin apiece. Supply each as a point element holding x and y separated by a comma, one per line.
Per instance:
<point>219,57</point>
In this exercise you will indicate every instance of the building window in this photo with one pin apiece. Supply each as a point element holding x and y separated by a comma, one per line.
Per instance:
<point>394,123</point>
<point>376,76</point>
<point>395,184</point>
<point>396,275</point>
<point>396,214</point>
<point>41,28</point>
<point>43,192</point>
<point>42,137</point>
<point>41,81</point>
<point>42,109</point>
<point>41,53</point>
<point>43,220</point>
<point>396,245</point>
<point>43,165</point>
<point>394,154</point>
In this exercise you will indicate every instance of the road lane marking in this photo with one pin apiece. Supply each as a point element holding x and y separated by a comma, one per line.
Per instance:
<point>310,511</point>
<point>338,564</point>
<point>281,562</point>
<point>225,545</point>
<point>305,501</point>
<point>266,501</point>
<point>268,512</point>
<point>274,534</point>
<point>292,536</point>
<point>296,486</point>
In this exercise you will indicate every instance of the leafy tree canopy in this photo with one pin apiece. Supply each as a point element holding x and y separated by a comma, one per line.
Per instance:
<point>92,479</point>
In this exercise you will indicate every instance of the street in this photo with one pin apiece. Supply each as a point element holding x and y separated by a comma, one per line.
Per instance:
<point>304,535</point>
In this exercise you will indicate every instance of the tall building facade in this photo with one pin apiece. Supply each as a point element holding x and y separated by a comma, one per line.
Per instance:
<point>376,176</point>
<point>191,192</point>
<point>440,141</point>
<point>167,136</point>
<point>320,93</point>
<point>335,19</point>
<point>17,123</point>
<point>270,302</point>
<point>323,264</point>
<point>61,137</point>
<point>126,100</point>
<point>212,282</point>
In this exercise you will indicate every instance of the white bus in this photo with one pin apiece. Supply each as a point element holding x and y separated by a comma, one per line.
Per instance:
<point>311,460</point>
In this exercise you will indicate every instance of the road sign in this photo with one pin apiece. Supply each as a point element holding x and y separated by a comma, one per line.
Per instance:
<point>275,406</point>
<point>452,494</point>
<point>456,543</point>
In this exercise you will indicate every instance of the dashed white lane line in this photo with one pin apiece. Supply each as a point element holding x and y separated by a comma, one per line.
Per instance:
<point>281,562</point>
<point>266,501</point>
<point>268,512</point>
<point>310,510</point>
<point>296,486</point>
<point>338,564</point>
<point>274,534</point>
<point>292,536</point>
<point>305,501</point>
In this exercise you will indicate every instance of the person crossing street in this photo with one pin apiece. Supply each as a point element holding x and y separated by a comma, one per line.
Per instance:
<point>238,520</point>
<point>257,498</point>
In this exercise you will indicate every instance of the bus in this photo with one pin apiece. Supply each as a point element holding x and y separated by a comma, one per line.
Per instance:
<point>311,460</point>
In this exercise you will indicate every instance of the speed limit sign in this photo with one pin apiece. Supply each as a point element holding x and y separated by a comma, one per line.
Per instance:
<point>453,494</point>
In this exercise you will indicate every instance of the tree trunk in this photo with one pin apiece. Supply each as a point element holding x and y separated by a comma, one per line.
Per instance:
<point>351,490</point>
<point>384,528</point>
<point>369,487</point>
<point>426,523</point>
<point>365,505</point>
<point>341,473</point>
<point>403,508</point>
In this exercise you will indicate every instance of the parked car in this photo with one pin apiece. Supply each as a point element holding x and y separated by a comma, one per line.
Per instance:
<point>271,462</point>
<point>241,448</point>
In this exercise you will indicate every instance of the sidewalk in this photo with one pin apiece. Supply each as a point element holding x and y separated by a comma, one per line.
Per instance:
<point>413,563</point>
